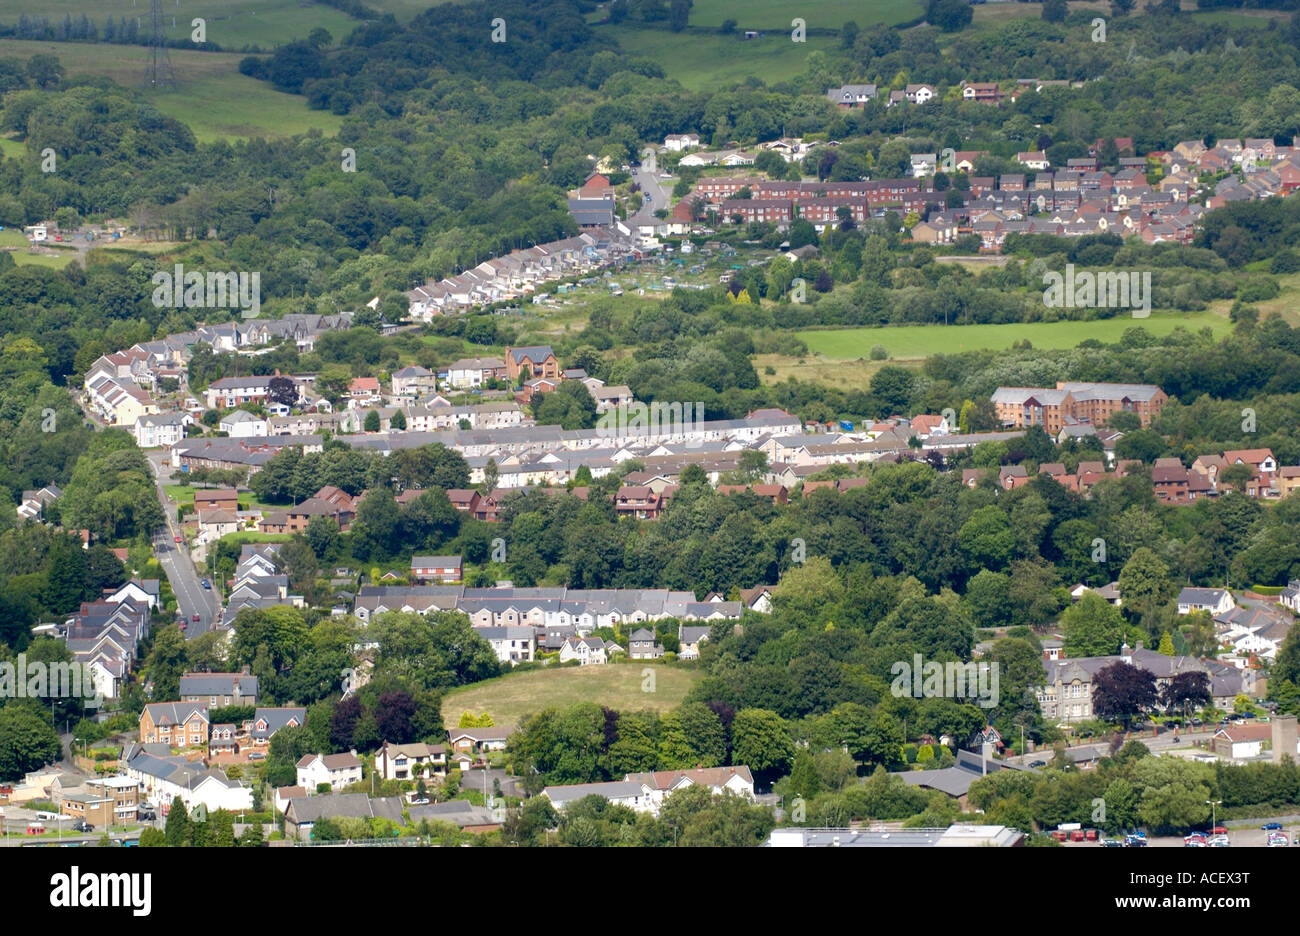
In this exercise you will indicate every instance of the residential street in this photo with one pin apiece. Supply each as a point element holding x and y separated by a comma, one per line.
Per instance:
<point>647,176</point>
<point>191,596</point>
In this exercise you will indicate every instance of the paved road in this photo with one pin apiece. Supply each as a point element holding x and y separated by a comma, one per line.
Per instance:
<point>647,175</point>
<point>191,597</point>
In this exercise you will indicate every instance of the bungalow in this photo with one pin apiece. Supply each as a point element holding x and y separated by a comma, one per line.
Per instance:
<point>1215,600</point>
<point>478,740</point>
<point>364,391</point>
<point>634,795</point>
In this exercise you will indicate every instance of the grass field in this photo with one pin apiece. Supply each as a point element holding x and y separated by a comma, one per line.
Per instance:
<point>819,14</point>
<point>231,24</point>
<point>511,698</point>
<point>707,61</point>
<point>847,375</point>
<point>211,96</point>
<point>919,341</point>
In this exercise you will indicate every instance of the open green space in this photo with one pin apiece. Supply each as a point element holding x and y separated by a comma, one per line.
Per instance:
<point>819,14</point>
<point>918,341</point>
<point>211,96</point>
<point>511,698</point>
<point>707,61</point>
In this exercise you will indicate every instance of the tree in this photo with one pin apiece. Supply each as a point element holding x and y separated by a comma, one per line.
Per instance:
<point>949,15</point>
<point>27,739</point>
<point>1055,11</point>
<point>1190,689</point>
<point>398,421</point>
<point>679,12</point>
<point>282,390</point>
<point>372,422</point>
<point>1093,627</point>
<point>1122,692</point>
<point>761,740</point>
<point>1144,582</point>
<point>167,662</point>
<point>45,70</point>
<point>178,830</point>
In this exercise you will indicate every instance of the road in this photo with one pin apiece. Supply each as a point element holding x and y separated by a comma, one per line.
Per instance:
<point>191,597</point>
<point>647,176</point>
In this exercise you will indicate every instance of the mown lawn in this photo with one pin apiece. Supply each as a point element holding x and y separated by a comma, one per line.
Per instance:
<point>511,698</point>
<point>920,341</point>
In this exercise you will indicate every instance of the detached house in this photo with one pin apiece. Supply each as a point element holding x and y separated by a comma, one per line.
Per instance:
<point>1215,600</point>
<point>405,761</point>
<point>445,570</point>
<point>267,721</point>
<point>180,724</point>
<point>539,359</point>
<point>219,690</point>
<point>337,770</point>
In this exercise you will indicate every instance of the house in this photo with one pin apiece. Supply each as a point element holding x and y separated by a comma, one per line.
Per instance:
<point>405,761</point>
<point>718,780</point>
<point>592,212</point>
<point>161,430</point>
<point>689,639</point>
<point>179,724</point>
<point>364,391</point>
<point>1215,600</point>
<point>103,802</point>
<point>512,644</point>
<point>642,645</point>
<point>33,503</point>
<point>540,361</point>
<point>680,142</point>
<point>1036,160</point>
<point>586,650</point>
<point>445,570</point>
<point>267,721</point>
<point>985,92</point>
<point>634,795</point>
<point>216,499</point>
<point>849,96</point>
<point>414,380</point>
<point>1242,742</point>
<point>219,690</point>
<point>214,524</point>
<point>478,740</point>
<point>241,424</point>
<point>468,373</point>
<point>336,770</point>
<point>302,813</point>
<point>229,392</point>
<point>1289,597</point>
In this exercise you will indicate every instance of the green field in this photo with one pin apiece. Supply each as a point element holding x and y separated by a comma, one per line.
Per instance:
<point>919,341</point>
<point>819,14</point>
<point>708,61</point>
<point>513,697</point>
<point>211,96</point>
<point>231,24</point>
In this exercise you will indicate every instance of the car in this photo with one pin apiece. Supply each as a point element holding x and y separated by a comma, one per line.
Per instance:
<point>196,617</point>
<point>1197,722</point>
<point>1271,826</point>
<point>83,826</point>
<point>257,755</point>
<point>207,585</point>
<point>1112,843</point>
<point>1277,840</point>
<point>1220,841</point>
<point>1038,763</point>
<point>177,538</point>
<point>1219,830</point>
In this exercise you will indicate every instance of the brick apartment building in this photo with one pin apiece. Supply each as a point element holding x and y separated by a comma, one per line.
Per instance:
<point>1083,402</point>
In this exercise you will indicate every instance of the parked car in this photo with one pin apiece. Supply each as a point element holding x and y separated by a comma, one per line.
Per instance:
<point>83,826</point>
<point>177,538</point>
<point>1038,763</point>
<point>1270,826</point>
<point>196,617</point>
<point>1197,722</point>
<point>207,585</point>
<point>1219,830</point>
<point>1277,840</point>
<point>1112,843</point>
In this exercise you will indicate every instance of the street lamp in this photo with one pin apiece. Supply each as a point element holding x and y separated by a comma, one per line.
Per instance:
<point>1213,804</point>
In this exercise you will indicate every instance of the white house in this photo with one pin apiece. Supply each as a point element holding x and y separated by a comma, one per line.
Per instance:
<point>1215,600</point>
<point>153,430</point>
<point>677,142</point>
<point>241,424</point>
<point>719,780</point>
<point>636,796</point>
<point>338,770</point>
<point>586,650</point>
<point>511,644</point>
